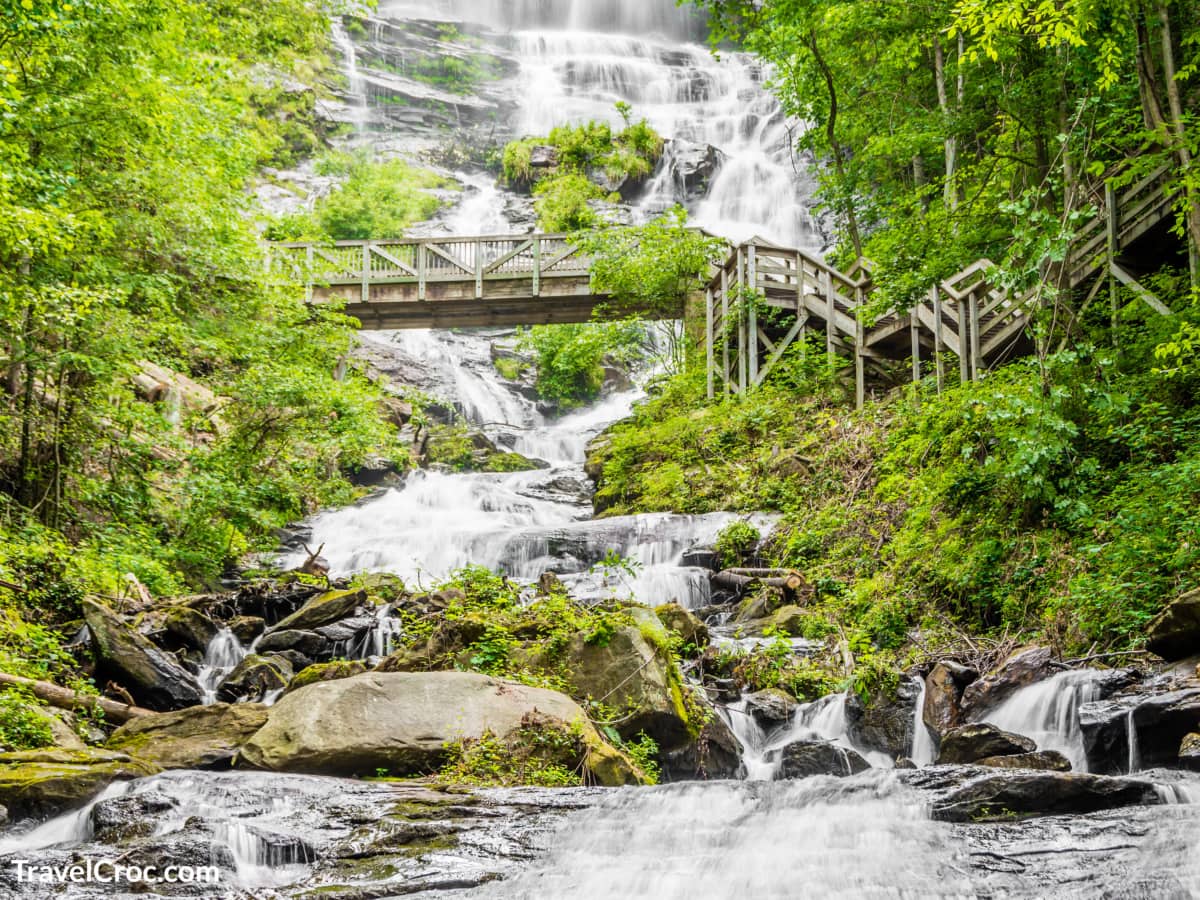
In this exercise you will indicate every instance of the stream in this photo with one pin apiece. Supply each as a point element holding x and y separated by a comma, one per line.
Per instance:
<point>869,835</point>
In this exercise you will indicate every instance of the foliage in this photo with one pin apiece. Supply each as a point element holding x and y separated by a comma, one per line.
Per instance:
<point>570,359</point>
<point>23,726</point>
<point>536,754</point>
<point>563,202</point>
<point>774,664</point>
<point>736,541</point>
<point>643,750</point>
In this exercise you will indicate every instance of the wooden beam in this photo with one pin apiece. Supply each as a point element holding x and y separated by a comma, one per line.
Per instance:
<point>914,334</point>
<point>1111,224</point>
<point>708,342</point>
<point>727,385</point>
<point>964,367</point>
<point>1130,282</point>
<point>750,296</point>
<point>976,353</point>
<point>860,372</point>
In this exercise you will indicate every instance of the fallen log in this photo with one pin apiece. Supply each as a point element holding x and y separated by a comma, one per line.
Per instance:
<point>744,579</point>
<point>65,698</point>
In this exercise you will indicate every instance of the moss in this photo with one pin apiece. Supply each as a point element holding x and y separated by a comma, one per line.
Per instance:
<point>509,462</point>
<point>330,671</point>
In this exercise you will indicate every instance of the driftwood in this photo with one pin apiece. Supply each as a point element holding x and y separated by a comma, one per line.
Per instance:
<point>13,587</point>
<point>741,580</point>
<point>65,698</point>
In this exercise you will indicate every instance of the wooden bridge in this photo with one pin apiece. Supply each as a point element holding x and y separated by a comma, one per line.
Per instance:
<point>967,316</point>
<point>532,279</point>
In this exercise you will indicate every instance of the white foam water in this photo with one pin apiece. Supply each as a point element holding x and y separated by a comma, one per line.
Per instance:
<point>1048,712</point>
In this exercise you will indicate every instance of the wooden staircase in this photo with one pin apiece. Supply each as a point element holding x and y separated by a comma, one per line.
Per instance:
<point>967,315</point>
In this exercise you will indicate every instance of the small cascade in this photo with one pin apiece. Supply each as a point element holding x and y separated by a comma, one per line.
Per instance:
<point>221,657</point>
<point>1133,760</point>
<point>356,84</point>
<point>1048,712</point>
<point>380,639</point>
<point>70,828</point>
<point>922,751</point>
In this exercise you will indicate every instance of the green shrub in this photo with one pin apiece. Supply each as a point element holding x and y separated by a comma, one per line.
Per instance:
<point>23,724</point>
<point>736,541</point>
<point>570,359</point>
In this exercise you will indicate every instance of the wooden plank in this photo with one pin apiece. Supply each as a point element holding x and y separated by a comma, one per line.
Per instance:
<point>976,353</point>
<point>914,334</point>
<point>537,265</point>
<point>727,385</point>
<point>964,372</point>
<point>751,300</point>
<point>462,267</point>
<point>521,247</point>
<point>1146,296</point>
<point>708,342</point>
<point>399,264</point>
<point>421,271</point>
<point>780,348</point>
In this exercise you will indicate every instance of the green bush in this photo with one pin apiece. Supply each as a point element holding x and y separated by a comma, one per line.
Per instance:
<point>23,724</point>
<point>736,541</point>
<point>570,359</point>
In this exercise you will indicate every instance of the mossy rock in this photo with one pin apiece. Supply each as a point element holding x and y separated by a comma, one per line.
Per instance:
<point>511,462</point>
<point>322,610</point>
<point>788,619</point>
<point>46,782</point>
<point>683,623</point>
<point>330,671</point>
<point>191,626</point>
<point>200,737</point>
<point>382,586</point>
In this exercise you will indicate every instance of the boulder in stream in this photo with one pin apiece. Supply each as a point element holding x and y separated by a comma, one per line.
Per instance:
<point>801,759</point>
<point>1045,760</point>
<point>770,707</point>
<point>1001,796</point>
<point>1175,632</point>
<point>46,782</point>
<point>884,722</point>
<point>1189,752</point>
<point>408,722</point>
<point>254,677</point>
<point>191,626</point>
<point>1016,672</point>
<point>152,676</point>
<point>1159,722</point>
<point>683,623</point>
<point>971,743</point>
<point>944,686</point>
<point>200,737</point>
<point>321,610</point>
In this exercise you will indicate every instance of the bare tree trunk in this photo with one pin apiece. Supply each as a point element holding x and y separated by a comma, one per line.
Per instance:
<point>839,163</point>
<point>65,698</point>
<point>950,141</point>
<point>1177,128</point>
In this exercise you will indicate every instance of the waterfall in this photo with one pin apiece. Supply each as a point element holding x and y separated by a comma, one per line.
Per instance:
<point>1048,712</point>
<point>221,656</point>
<point>923,751</point>
<point>356,84</point>
<point>1133,759</point>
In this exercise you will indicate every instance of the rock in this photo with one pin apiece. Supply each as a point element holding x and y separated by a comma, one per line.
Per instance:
<point>345,630</point>
<point>800,759</point>
<point>970,743</point>
<point>1018,671</point>
<point>191,626</point>
<point>1161,721</point>
<point>883,723</point>
<point>396,411</point>
<point>715,753</point>
<point>543,156</point>
<point>121,818</point>
<point>692,167</point>
<point>62,734</point>
<point>630,675</point>
<point>703,558</point>
<point>254,677</point>
<point>770,707</point>
<point>374,471</point>
<point>1175,632</point>
<point>321,610</point>
<point>404,722</point>
<point>944,687</point>
<point>307,643</point>
<point>46,782</point>
<point>154,678</point>
<point>1048,760</point>
<point>200,737</point>
<point>330,671</point>
<point>1189,752</point>
<point>1002,796</point>
<point>247,628</point>
<point>683,623</point>
<point>788,619</point>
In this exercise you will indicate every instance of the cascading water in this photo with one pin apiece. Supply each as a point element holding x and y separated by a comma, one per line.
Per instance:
<point>922,751</point>
<point>221,656</point>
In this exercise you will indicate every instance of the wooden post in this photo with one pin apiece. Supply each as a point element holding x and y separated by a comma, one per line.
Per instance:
<point>976,352</point>
<point>938,362</point>
<point>708,342</point>
<point>420,270</point>
<point>741,284</point>
<point>860,369</point>
<point>830,310</point>
<point>537,265</point>
<point>914,333</point>
<point>801,309</point>
<point>479,270</point>
<point>1111,224</point>
<point>751,296</point>
<point>366,272</point>
<point>964,339</point>
<point>308,274</point>
<point>726,375</point>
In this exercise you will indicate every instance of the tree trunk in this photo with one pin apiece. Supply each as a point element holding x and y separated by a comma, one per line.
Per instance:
<point>950,142</point>
<point>65,698</point>
<point>839,163</point>
<point>1177,128</point>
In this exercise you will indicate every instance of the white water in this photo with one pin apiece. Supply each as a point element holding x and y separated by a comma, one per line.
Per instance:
<point>922,752</point>
<point>1048,712</point>
<point>356,85</point>
<point>221,656</point>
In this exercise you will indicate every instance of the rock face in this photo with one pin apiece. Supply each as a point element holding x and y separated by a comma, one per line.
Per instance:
<point>944,686</point>
<point>1175,632</point>
<point>693,167</point>
<point>1189,752</point>
<point>1018,671</point>
<point>883,723</point>
<point>1002,796</point>
<point>971,743</point>
<point>200,737</point>
<point>715,753</point>
<point>629,674</point>
<point>191,626</point>
<point>153,676</point>
<point>801,759</point>
<point>321,610</point>
<point>403,722</point>
<point>46,782</point>
<point>1160,720</point>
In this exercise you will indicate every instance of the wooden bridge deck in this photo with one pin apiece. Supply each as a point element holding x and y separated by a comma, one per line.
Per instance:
<point>531,279</point>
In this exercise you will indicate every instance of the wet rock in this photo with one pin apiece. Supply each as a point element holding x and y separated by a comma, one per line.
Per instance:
<point>375,471</point>
<point>970,743</point>
<point>800,759</point>
<point>770,707</point>
<point>1189,752</point>
<point>200,737</point>
<point>322,610</point>
<point>702,558</point>
<point>543,156</point>
<point>683,623</point>
<point>944,687</point>
<point>1048,760</point>
<point>883,722</point>
<point>1175,632</point>
<point>346,630</point>
<point>396,411</point>
<point>631,675</point>
<point>126,817</point>
<point>307,643</point>
<point>788,619</point>
<point>404,722</point>
<point>1161,721</point>
<point>254,677</point>
<point>1002,796</point>
<point>692,167</point>
<point>1018,671</point>
<point>152,676</point>
<point>330,671</point>
<point>62,734</point>
<point>247,628</point>
<point>46,782</point>
<point>191,626</point>
<point>714,753</point>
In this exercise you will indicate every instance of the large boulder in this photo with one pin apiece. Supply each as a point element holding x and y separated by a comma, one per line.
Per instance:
<point>944,686</point>
<point>715,753</point>
<point>151,675</point>
<point>800,759</point>
<point>1189,752</point>
<point>321,610</point>
<point>46,782</point>
<point>200,737</point>
<point>1046,760</point>
<point>971,743</point>
<point>307,643</point>
<point>1004,795</point>
<point>406,723</point>
<point>631,676</point>
<point>1175,632</point>
<point>1015,673</point>
<point>683,623</point>
<point>884,721</point>
<point>692,167</point>
<point>1160,722</point>
<point>191,626</point>
<point>255,677</point>
<point>770,707</point>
